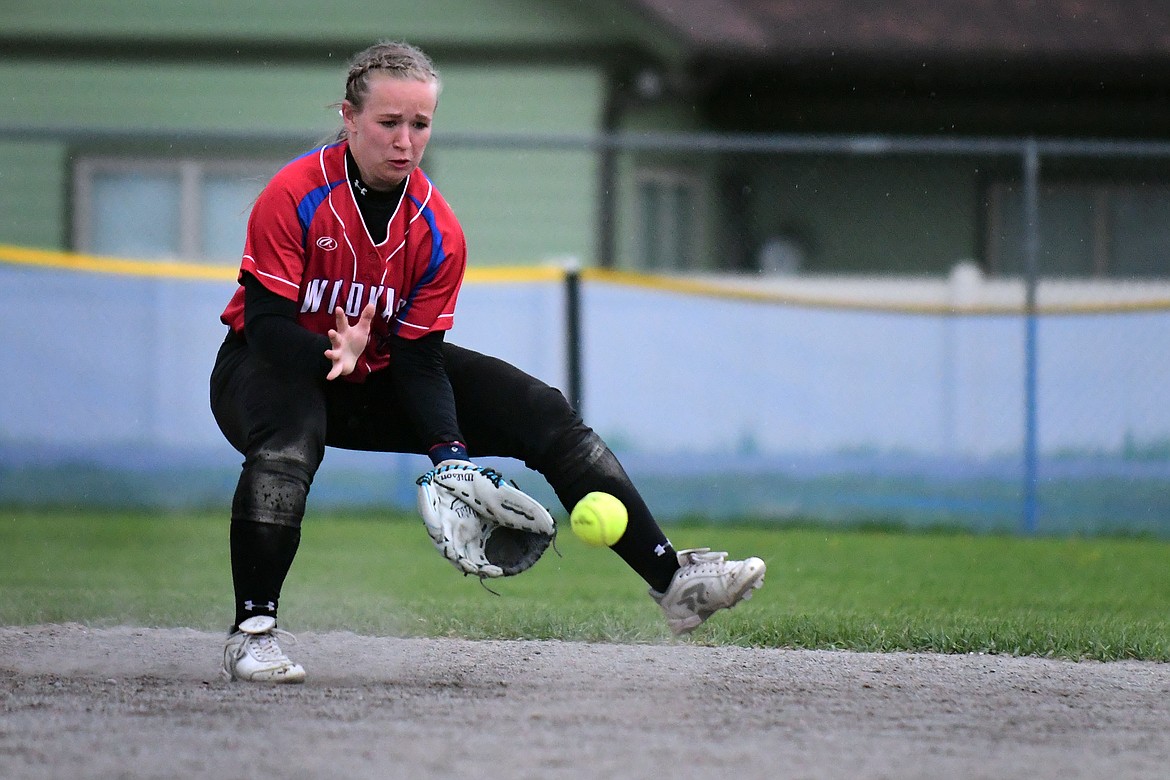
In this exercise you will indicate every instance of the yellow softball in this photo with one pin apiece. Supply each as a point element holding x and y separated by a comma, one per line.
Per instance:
<point>599,519</point>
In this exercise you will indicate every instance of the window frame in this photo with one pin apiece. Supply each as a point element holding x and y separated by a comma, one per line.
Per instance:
<point>691,231</point>
<point>1100,194</point>
<point>192,173</point>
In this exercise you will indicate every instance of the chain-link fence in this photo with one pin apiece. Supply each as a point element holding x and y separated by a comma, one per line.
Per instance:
<point>999,365</point>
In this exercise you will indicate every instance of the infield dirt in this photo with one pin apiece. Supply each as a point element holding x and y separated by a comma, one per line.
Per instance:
<point>82,702</point>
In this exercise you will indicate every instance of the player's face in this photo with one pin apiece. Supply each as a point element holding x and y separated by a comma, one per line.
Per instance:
<point>388,135</point>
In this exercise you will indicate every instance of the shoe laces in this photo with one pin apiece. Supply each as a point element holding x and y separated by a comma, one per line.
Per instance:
<point>264,647</point>
<point>703,558</point>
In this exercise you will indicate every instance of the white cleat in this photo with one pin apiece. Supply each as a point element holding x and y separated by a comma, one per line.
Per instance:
<point>251,654</point>
<point>705,583</point>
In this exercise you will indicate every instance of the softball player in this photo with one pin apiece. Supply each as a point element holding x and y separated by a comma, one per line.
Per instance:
<point>350,274</point>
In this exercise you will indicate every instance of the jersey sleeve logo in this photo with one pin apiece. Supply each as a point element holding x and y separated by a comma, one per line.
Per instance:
<point>327,243</point>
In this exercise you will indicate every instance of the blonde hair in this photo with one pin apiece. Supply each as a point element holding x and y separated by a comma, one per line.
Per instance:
<point>395,58</point>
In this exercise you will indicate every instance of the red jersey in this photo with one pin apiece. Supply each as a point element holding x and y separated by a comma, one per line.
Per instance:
<point>307,242</point>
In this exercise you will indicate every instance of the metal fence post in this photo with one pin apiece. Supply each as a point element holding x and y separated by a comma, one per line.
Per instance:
<point>1031,272</point>
<point>573,333</point>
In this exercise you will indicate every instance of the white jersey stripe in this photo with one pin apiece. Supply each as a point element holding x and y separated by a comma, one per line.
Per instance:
<point>257,272</point>
<point>410,325</point>
<point>425,201</point>
<point>424,327</point>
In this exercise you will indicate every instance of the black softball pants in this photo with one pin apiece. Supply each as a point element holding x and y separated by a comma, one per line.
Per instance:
<point>282,424</point>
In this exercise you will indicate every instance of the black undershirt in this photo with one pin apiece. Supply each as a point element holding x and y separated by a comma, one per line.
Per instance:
<point>377,206</point>
<point>418,371</point>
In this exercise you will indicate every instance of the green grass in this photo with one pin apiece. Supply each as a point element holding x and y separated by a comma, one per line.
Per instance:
<point>874,590</point>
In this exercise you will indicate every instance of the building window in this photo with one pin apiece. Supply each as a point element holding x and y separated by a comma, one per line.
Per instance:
<point>1115,230</point>
<point>668,229</point>
<point>192,210</point>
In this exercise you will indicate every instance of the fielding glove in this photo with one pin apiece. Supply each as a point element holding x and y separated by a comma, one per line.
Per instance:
<point>480,523</point>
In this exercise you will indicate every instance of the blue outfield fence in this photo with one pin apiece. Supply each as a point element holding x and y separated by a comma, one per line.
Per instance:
<point>722,400</point>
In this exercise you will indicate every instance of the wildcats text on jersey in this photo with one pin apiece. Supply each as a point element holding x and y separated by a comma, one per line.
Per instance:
<point>327,294</point>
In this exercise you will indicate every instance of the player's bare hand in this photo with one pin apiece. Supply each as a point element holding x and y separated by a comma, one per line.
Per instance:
<point>349,341</point>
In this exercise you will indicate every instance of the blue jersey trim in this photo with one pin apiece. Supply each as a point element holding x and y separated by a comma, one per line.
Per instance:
<point>309,205</point>
<point>436,260</point>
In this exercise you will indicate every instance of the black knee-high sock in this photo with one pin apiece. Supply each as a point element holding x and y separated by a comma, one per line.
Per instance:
<point>644,546</point>
<point>261,554</point>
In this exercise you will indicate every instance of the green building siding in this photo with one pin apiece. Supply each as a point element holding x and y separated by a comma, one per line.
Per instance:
<point>517,207</point>
<point>192,69</point>
<point>32,194</point>
<point>165,96</point>
<point>521,208</point>
<point>347,23</point>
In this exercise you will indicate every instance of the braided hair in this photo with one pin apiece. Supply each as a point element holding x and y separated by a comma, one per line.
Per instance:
<point>394,58</point>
